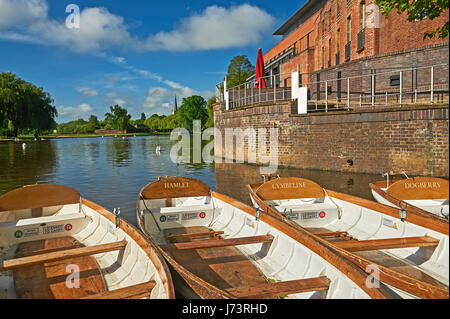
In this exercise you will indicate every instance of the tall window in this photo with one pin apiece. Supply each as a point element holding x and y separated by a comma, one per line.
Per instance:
<point>362,15</point>
<point>323,56</point>
<point>329,50</point>
<point>338,39</point>
<point>329,21</point>
<point>323,29</point>
<point>349,29</point>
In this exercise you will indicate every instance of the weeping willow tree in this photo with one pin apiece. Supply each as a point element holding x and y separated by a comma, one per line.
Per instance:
<point>23,105</point>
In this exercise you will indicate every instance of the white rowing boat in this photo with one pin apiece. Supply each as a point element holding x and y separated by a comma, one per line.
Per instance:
<point>410,252</point>
<point>55,244</point>
<point>223,248</point>
<point>429,194</point>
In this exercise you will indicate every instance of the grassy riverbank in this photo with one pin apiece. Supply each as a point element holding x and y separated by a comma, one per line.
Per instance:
<point>54,136</point>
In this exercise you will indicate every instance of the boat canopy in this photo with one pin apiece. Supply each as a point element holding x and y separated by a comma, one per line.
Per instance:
<point>172,187</point>
<point>38,196</point>
<point>417,188</point>
<point>290,188</point>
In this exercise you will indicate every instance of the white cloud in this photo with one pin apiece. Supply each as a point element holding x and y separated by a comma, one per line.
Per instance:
<point>164,97</point>
<point>161,99</point>
<point>21,12</point>
<point>27,21</point>
<point>121,99</point>
<point>99,29</point>
<point>74,112</point>
<point>88,92</point>
<point>215,28</point>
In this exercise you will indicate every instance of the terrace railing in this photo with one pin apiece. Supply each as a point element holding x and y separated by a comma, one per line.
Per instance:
<point>380,89</point>
<point>333,92</point>
<point>277,89</point>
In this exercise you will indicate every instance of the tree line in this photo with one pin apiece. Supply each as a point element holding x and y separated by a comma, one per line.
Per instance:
<point>26,109</point>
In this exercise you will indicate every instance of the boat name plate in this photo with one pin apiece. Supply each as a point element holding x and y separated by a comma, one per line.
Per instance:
<point>53,229</point>
<point>189,216</point>
<point>170,218</point>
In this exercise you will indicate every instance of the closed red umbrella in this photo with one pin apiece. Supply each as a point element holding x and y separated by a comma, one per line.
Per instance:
<point>259,70</point>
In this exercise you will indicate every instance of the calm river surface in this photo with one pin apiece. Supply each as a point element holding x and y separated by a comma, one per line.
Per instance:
<point>111,171</point>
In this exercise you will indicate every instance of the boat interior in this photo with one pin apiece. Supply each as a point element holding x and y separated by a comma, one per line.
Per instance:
<point>69,248</point>
<point>229,247</point>
<point>428,193</point>
<point>359,226</point>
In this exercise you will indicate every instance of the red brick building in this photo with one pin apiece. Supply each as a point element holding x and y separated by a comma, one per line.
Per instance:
<point>325,34</point>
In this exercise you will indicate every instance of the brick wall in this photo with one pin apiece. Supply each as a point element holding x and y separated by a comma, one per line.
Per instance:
<point>394,33</point>
<point>417,79</point>
<point>414,139</point>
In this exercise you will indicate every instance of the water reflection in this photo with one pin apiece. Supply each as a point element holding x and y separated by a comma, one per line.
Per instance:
<point>111,171</point>
<point>232,179</point>
<point>118,151</point>
<point>23,165</point>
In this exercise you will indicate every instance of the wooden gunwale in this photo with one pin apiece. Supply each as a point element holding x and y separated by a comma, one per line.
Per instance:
<point>151,249</point>
<point>415,215</point>
<point>391,277</point>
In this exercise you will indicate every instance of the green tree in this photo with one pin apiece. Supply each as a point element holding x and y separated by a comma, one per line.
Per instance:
<point>192,108</point>
<point>239,70</point>
<point>143,118</point>
<point>210,111</point>
<point>118,117</point>
<point>25,106</point>
<point>418,10</point>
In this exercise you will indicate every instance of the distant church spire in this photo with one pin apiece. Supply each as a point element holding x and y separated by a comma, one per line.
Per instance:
<point>175,107</point>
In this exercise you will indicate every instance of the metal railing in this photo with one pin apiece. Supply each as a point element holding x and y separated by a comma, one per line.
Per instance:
<point>416,85</point>
<point>331,91</point>
<point>277,90</point>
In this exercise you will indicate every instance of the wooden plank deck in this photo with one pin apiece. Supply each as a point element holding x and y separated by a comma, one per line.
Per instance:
<point>383,259</point>
<point>60,255</point>
<point>202,244</point>
<point>271,290</point>
<point>388,243</point>
<point>142,290</point>
<point>223,267</point>
<point>48,280</point>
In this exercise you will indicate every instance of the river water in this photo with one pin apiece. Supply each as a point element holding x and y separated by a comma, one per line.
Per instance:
<point>110,171</point>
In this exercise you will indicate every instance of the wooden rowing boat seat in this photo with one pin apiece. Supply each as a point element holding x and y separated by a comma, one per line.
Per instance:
<point>47,269</point>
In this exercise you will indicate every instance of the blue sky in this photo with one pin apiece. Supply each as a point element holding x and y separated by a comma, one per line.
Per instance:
<point>137,53</point>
